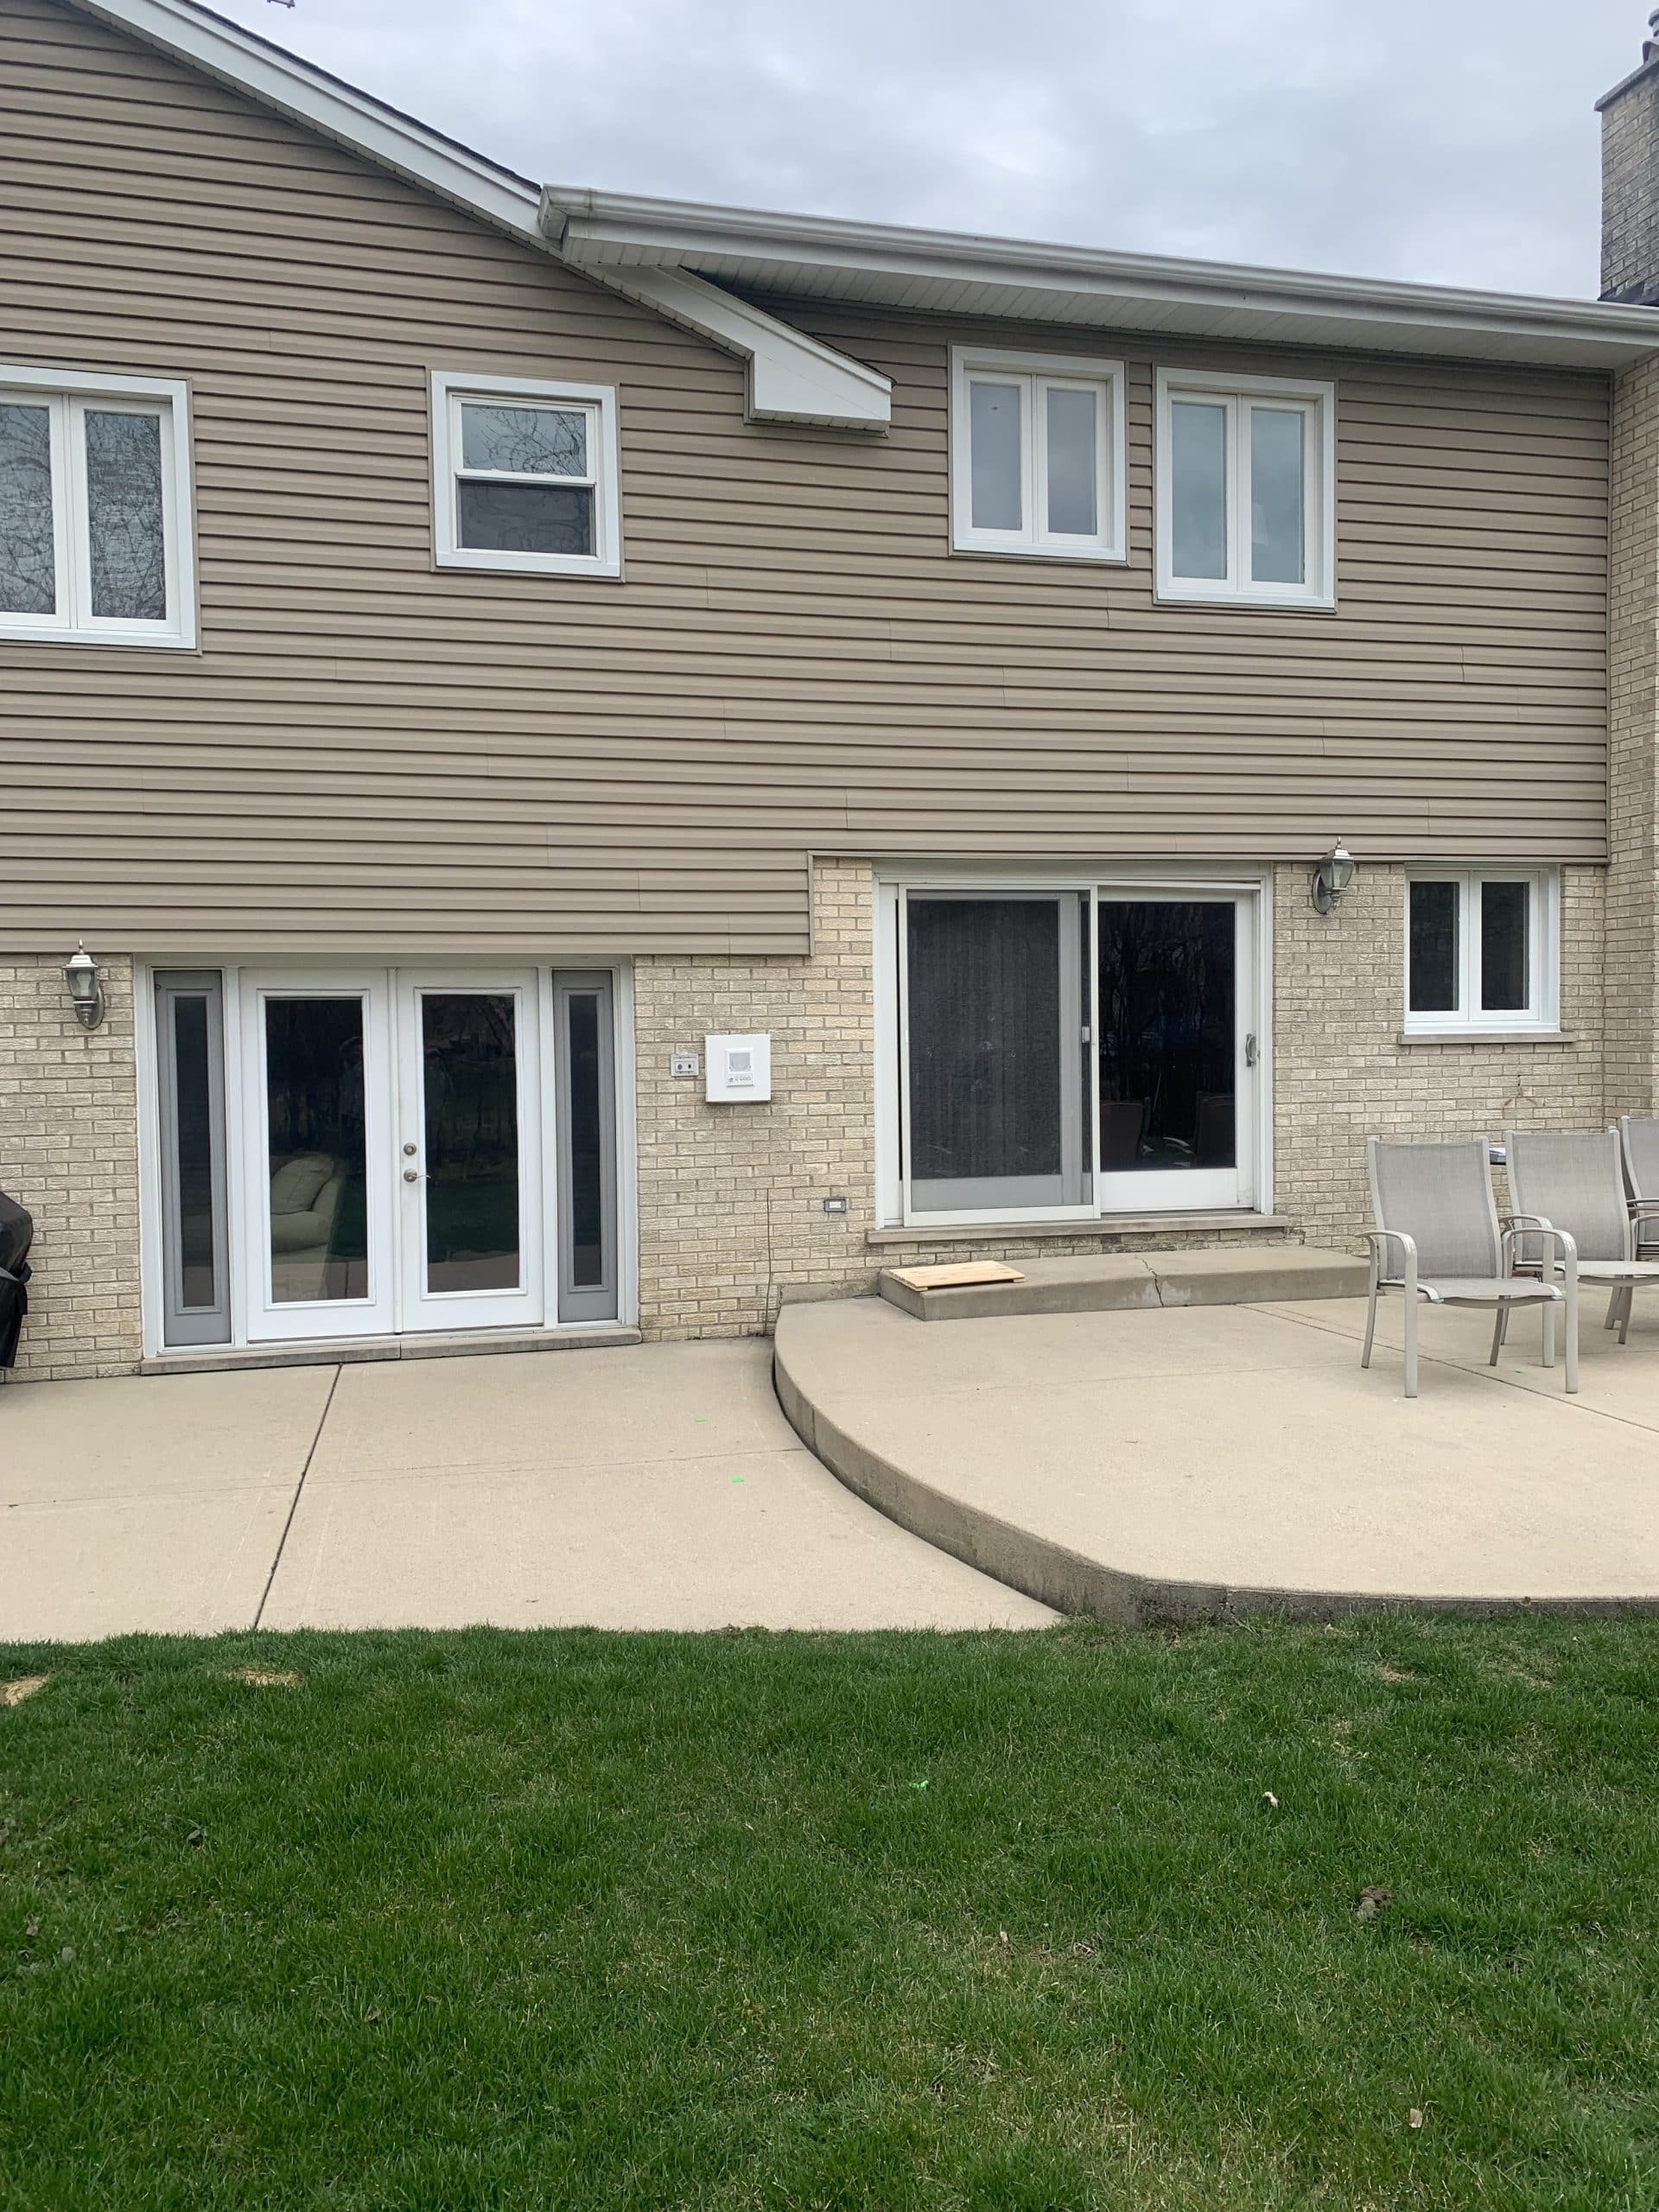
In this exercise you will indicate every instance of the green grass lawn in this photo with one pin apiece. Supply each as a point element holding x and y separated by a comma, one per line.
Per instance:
<point>503,1921</point>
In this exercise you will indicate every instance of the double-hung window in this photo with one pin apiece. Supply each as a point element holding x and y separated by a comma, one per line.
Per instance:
<point>1246,489</point>
<point>1036,454</point>
<point>94,510</point>
<point>1481,950</point>
<point>524,476</point>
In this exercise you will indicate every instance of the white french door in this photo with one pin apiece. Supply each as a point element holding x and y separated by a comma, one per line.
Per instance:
<point>470,1150</point>
<point>394,1166</point>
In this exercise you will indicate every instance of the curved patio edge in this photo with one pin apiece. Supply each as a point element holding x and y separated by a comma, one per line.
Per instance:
<point>1073,1583</point>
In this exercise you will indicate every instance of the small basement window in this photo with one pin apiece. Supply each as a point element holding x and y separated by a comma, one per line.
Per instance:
<point>1481,950</point>
<point>525,477</point>
<point>1036,456</point>
<point>1246,490</point>
<point>95,541</point>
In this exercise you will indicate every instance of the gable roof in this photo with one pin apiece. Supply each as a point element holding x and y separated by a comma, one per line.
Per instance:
<point>791,378</point>
<point>680,258</point>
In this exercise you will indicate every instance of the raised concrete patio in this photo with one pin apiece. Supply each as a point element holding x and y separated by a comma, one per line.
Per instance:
<point>1204,1461</point>
<point>657,1487</point>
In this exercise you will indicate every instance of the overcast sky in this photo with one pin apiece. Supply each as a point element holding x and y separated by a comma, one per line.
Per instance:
<point>1451,141</point>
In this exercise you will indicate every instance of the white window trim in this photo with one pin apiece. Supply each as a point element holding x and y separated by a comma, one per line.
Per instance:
<point>65,392</point>
<point>1319,401</point>
<point>1543,1016</point>
<point>599,401</point>
<point>1111,542</point>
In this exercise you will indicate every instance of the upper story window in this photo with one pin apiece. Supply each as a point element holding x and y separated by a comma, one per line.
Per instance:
<point>525,476</point>
<point>1036,454</point>
<point>94,510</point>
<point>1481,949</point>
<point>1246,489</point>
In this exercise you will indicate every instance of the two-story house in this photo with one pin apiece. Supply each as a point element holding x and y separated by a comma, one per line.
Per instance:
<point>616,762</point>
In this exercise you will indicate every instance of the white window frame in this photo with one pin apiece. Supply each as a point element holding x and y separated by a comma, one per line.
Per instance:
<point>67,394</point>
<point>1237,394</point>
<point>1542,1015</point>
<point>450,391</point>
<point>1036,373</point>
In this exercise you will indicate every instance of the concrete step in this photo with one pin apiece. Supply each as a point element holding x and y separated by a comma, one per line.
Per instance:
<point>1108,1281</point>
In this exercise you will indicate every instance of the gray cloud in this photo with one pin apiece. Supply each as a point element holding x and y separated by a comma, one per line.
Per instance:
<point>1434,139</point>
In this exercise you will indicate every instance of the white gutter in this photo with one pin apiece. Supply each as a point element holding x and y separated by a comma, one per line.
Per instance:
<point>817,257</point>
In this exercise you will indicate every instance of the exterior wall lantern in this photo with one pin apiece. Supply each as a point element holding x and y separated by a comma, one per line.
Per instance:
<point>1332,877</point>
<point>84,984</point>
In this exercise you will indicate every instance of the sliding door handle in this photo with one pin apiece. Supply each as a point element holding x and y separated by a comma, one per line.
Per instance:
<point>1250,1054</point>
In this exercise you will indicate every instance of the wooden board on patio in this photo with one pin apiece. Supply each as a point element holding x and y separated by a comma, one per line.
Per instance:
<point>960,1275</point>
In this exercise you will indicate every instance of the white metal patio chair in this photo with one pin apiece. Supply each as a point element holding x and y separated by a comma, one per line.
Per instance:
<point>1638,1140</point>
<point>1437,1240</point>
<point>1561,1181</point>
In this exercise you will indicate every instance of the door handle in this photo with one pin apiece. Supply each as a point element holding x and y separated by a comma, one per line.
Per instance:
<point>1250,1050</point>
<point>411,1174</point>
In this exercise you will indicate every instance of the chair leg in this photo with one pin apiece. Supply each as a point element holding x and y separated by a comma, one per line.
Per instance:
<point>1572,1317</point>
<point>1411,1347</point>
<point>1549,1335</point>
<point>1370,1324</point>
<point>1611,1322</point>
<point>1625,1304</point>
<point>1503,1325</point>
<point>1498,1335</point>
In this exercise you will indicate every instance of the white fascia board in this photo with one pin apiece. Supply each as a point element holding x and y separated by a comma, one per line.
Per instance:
<point>223,50</point>
<point>809,255</point>
<point>791,376</point>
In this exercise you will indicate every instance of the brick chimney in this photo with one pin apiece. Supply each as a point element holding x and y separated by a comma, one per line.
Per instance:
<point>1629,181</point>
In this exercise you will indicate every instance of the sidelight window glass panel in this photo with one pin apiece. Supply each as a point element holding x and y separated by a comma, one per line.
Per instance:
<point>28,542</point>
<point>1277,509</point>
<point>1505,914</point>
<point>1168,1035</point>
<point>316,1104</point>
<point>985,1075</point>
<point>587,1146</point>
<point>126,516</point>
<point>190,1095</point>
<point>193,1091</point>
<point>1435,957</point>
<point>469,1088</point>
<point>1199,489</point>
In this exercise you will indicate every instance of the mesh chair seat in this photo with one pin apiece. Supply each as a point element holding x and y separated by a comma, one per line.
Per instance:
<point>1479,1290</point>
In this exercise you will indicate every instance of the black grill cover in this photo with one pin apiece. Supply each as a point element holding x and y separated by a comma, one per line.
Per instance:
<point>16,1235</point>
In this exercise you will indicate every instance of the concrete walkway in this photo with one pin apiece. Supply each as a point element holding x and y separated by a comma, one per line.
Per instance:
<point>1201,1462</point>
<point>658,1488</point>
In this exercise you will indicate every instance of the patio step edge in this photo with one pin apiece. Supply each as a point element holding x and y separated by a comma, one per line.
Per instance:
<point>1111,1282</point>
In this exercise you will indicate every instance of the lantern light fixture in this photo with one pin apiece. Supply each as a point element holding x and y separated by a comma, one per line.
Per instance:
<point>1332,877</point>
<point>84,980</point>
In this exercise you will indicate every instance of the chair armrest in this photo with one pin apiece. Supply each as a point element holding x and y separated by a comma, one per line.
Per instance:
<point>1643,1209</point>
<point>1518,1225</point>
<point>1378,1237</point>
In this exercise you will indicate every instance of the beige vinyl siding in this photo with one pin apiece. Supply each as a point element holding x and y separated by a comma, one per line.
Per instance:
<point>368,752</point>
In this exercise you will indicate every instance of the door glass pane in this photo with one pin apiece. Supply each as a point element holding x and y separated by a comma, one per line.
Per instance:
<point>28,554</point>
<point>528,441</point>
<point>197,1284</point>
<point>1505,981</point>
<point>985,1070</point>
<point>1277,553</point>
<point>315,1104</point>
<point>1197,458</point>
<point>1073,463</point>
<point>469,1089</point>
<point>125,509</point>
<point>993,454</point>
<point>1168,1035</point>
<point>587,1169</point>
<point>502,518</point>
<point>1433,960</point>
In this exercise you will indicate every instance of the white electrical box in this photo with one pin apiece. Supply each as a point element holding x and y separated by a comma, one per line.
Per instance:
<point>738,1067</point>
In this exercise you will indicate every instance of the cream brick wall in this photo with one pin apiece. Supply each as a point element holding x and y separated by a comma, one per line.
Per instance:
<point>1342,1075</point>
<point>69,1152</point>
<point>1633,818</point>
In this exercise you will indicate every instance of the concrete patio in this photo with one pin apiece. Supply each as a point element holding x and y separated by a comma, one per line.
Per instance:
<point>1199,1462</point>
<point>657,1487</point>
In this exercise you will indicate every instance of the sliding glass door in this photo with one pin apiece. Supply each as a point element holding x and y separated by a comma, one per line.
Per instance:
<point>1077,1054</point>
